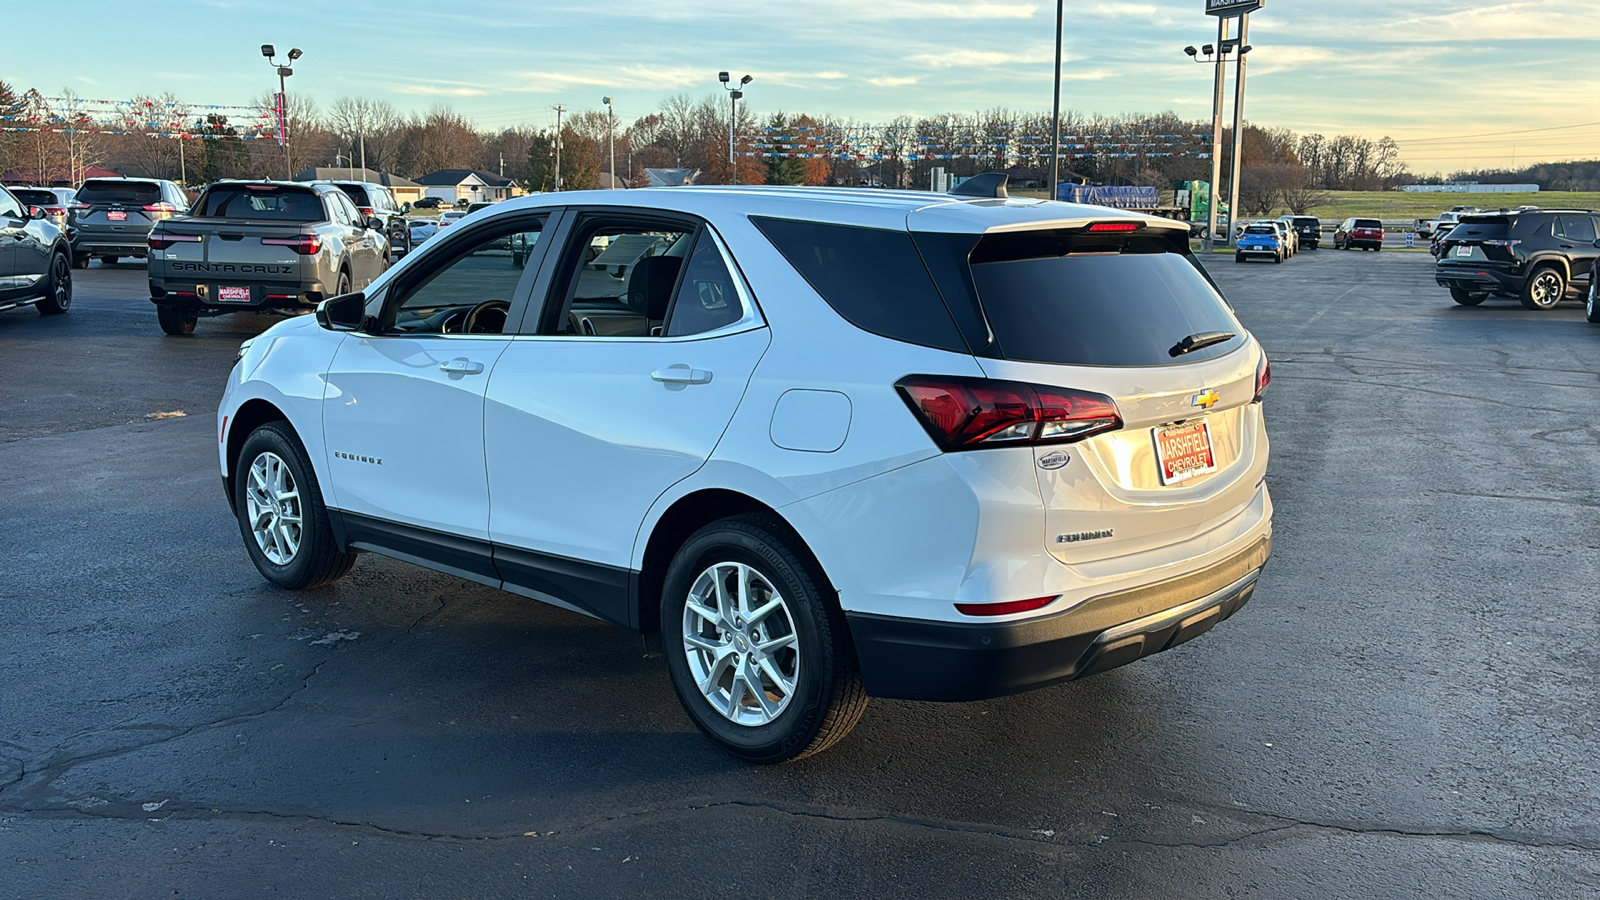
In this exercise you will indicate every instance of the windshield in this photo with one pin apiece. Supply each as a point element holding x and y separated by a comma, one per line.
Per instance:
<point>266,202</point>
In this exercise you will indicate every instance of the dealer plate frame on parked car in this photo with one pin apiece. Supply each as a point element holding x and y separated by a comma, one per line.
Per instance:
<point>233,294</point>
<point>1176,463</point>
<point>116,215</point>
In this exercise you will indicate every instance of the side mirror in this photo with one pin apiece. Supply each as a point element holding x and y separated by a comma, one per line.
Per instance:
<point>375,223</point>
<point>35,212</point>
<point>1597,243</point>
<point>405,208</point>
<point>346,312</point>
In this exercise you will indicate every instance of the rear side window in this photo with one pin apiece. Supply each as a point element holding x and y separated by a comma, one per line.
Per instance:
<point>142,193</point>
<point>872,277</point>
<point>270,203</point>
<point>1102,309</point>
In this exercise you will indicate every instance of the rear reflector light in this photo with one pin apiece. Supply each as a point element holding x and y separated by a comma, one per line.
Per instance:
<point>163,206</point>
<point>973,413</point>
<point>1115,226</point>
<point>1004,609</point>
<point>1263,375</point>
<point>305,244</point>
<point>163,241</point>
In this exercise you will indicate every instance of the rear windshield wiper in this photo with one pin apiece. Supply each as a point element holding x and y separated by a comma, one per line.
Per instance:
<point>1196,341</point>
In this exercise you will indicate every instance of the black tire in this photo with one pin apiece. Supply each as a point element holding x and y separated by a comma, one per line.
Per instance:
<point>1465,297</point>
<point>1277,257</point>
<point>344,284</point>
<point>176,320</point>
<point>109,260</point>
<point>1238,257</point>
<point>1544,288</point>
<point>828,699</point>
<point>518,260</point>
<point>58,288</point>
<point>80,262</point>
<point>1591,306</point>
<point>317,560</point>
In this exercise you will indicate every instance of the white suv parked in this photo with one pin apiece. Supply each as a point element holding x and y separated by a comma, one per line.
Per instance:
<point>814,444</point>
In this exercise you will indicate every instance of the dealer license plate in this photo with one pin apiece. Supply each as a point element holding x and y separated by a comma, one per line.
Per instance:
<point>117,215</point>
<point>1184,451</point>
<point>233,295</point>
<point>1464,251</point>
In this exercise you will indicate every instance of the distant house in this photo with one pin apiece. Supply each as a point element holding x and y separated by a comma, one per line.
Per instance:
<point>452,185</point>
<point>404,189</point>
<point>671,177</point>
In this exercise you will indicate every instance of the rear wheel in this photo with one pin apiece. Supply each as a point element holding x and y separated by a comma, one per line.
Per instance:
<point>757,648</point>
<point>1465,297</point>
<point>1238,257</point>
<point>176,321</point>
<point>281,514</point>
<point>58,291</point>
<point>1591,307</point>
<point>1544,288</point>
<point>344,284</point>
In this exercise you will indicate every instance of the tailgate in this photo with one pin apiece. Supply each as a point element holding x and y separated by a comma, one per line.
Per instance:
<point>233,251</point>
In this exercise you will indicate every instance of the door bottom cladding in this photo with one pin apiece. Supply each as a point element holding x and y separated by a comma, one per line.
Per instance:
<point>913,659</point>
<point>593,589</point>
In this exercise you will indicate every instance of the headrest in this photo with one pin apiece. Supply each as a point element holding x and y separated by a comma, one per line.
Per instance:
<point>650,282</point>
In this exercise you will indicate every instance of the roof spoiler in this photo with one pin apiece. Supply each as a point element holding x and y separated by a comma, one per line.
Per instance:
<point>989,185</point>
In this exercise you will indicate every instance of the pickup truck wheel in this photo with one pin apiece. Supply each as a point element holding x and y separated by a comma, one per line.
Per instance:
<point>176,321</point>
<point>58,291</point>
<point>757,648</point>
<point>344,284</point>
<point>1465,297</point>
<point>281,514</point>
<point>1544,288</point>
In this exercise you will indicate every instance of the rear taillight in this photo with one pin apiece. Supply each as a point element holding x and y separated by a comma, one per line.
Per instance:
<point>55,210</point>
<point>80,207</point>
<point>163,241</point>
<point>1501,243</point>
<point>365,210</point>
<point>1263,375</point>
<point>1006,608</point>
<point>973,413</point>
<point>303,244</point>
<point>162,206</point>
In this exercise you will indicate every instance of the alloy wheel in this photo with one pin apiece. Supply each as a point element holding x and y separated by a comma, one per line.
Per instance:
<point>740,642</point>
<point>272,500</point>
<point>1546,289</point>
<point>61,275</point>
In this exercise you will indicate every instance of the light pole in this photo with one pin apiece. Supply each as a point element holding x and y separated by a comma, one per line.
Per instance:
<point>734,95</point>
<point>559,111</point>
<point>284,71</point>
<point>611,137</point>
<point>1055,117</point>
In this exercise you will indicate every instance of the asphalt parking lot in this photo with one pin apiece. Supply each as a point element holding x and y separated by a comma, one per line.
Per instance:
<point>1407,708</point>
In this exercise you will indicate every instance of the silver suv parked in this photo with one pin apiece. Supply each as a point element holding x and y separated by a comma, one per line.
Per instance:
<point>111,217</point>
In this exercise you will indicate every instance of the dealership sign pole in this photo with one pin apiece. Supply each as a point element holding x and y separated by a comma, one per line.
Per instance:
<point>1224,10</point>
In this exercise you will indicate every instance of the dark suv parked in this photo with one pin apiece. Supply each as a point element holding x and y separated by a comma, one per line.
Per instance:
<point>112,217</point>
<point>375,200</point>
<point>1533,255</point>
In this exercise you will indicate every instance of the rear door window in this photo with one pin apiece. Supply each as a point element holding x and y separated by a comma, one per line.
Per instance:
<point>872,277</point>
<point>1576,228</point>
<point>1102,308</point>
<point>137,193</point>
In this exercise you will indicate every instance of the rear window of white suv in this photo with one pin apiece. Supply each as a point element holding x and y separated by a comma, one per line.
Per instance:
<point>1101,308</point>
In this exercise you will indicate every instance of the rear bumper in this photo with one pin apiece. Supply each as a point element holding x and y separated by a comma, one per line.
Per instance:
<point>1478,277</point>
<point>916,659</point>
<point>201,297</point>
<point>121,245</point>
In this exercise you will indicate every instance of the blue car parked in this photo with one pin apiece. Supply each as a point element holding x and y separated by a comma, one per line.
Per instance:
<point>1259,239</point>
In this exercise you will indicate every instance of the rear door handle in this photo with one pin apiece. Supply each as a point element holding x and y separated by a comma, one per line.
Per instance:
<point>681,374</point>
<point>461,366</point>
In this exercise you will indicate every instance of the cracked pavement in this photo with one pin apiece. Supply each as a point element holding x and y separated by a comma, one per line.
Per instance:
<point>1405,709</point>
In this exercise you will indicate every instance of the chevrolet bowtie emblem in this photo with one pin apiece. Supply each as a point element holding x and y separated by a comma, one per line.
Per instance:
<point>1205,399</point>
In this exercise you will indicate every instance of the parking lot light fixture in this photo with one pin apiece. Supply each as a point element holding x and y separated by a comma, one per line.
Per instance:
<point>611,137</point>
<point>267,51</point>
<point>735,94</point>
<point>284,71</point>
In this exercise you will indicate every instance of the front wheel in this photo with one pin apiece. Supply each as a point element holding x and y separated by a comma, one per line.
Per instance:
<point>1544,289</point>
<point>58,290</point>
<point>176,321</point>
<point>1591,307</point>
<point>281,514</point>
<point>757,648</point>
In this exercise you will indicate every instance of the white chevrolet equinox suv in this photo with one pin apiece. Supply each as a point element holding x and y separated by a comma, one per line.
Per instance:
<point>814,444</point>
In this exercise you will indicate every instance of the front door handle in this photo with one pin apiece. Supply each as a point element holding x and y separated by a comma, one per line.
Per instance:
<point>681,374</point>
<point>461,366</point>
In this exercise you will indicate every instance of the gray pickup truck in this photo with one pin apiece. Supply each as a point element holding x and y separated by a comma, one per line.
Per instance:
<point>261,245</point>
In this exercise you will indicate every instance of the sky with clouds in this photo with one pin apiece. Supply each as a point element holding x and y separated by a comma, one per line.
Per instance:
<point>1458,83</point>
